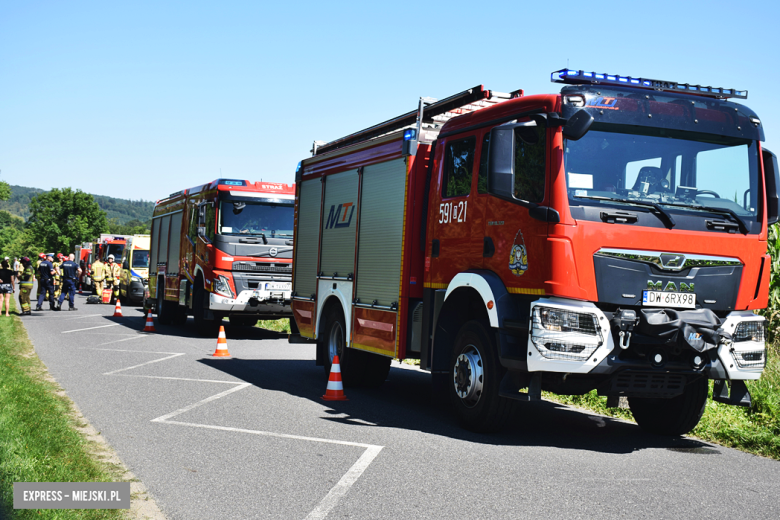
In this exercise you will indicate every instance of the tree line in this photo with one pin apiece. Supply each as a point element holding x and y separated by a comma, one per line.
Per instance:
<point>60,219</point>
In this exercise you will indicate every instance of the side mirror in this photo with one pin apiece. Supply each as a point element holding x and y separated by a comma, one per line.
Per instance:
<point>501,162</point>
<point>201,231</point>
<point>577,125</point>
<point>126,264</point>
<point>201,216</point>
<point>772,182</point>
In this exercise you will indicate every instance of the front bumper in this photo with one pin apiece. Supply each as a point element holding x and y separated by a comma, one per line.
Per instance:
<point>730,360</point>
<point>258,302</point>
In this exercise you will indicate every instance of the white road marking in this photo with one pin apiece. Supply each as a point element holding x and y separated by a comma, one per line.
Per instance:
<point>139,336</point>
<point>90,328</point>
<point>330,501</point>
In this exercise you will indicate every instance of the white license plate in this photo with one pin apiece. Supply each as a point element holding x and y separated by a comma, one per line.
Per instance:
<point>278,286</point>
<point>669,299</point>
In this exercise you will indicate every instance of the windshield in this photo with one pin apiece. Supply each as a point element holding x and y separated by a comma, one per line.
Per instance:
<point>658,166</point>
<point>253,218</point>
<point>116,250</point>
<point>140,259</point>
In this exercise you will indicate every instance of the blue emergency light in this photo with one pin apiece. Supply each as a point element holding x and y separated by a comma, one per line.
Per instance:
<point>593,78</point>
<point>410,134</point>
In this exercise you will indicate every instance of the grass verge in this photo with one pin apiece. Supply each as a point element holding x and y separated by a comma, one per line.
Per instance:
<point>754,430</point>
<point>38,437</point>
<point>281,325</point>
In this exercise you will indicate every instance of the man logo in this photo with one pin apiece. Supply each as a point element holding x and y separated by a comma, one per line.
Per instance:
<point>273,251</point>
<point>672,261</point>
<point>335,217</point>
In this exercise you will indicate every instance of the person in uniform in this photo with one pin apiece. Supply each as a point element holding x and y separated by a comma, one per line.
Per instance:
<point>98,276</point>
<point>26,281</point>
<point>41,258</point>
<point>58,260</point>
<point>70,274</point>
<point>112,276</point>
<point>46,278</point>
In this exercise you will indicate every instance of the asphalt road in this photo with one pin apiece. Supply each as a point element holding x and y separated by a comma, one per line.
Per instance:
<point>250,437</point>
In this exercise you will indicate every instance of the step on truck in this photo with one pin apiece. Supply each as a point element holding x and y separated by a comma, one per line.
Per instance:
<point>222,250</point>
<point>611,236</point>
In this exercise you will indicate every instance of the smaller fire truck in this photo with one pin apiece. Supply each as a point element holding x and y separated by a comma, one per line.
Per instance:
<point>611,236</point>
<point>222,250</point>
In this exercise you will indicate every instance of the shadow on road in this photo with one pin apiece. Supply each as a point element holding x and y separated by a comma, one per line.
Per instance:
<point>406,401</point>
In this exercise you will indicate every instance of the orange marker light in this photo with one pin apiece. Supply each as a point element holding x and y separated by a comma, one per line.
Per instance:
<point>490,304</point>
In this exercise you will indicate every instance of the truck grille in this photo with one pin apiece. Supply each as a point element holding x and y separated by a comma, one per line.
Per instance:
<point>260,267</point>
<point>647,384</point>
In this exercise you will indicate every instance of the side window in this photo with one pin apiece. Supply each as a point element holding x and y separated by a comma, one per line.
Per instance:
<point>458,165</point>
<point>530,154</point>
<point>483,164</point>
<point>210,221</point>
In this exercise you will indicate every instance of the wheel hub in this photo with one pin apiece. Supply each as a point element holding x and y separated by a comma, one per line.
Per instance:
<point>468,376</point>
<point>335,341</point>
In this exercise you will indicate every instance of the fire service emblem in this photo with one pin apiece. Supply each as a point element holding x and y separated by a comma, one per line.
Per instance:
<point>518,258</point>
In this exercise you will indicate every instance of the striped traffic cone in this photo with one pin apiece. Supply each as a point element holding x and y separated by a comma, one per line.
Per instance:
<point>222,350</point>
<point>118,310</point>
<point>149,323</point>
<point>335,389</point>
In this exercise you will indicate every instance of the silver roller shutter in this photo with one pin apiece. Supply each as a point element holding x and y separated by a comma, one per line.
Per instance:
<point>381,229</point>
<point>155,245</point>
<point>165,223</point>
<point>339,221</point>
<point>308,238</point>
<point>175,247</point>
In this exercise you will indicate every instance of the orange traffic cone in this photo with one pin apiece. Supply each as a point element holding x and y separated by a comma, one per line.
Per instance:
<point>118,310</point>
<point>149,323</point>
<point>222,350</point>
<point>335,389</point>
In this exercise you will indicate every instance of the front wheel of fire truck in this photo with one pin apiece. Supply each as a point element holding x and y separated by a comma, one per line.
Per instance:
<point>675,416</point>
<point>475,374</point>
<point>204,327</point>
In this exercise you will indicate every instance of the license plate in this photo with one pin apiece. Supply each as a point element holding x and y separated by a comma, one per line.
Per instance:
<point>278,286</point>
<point>669,299</point>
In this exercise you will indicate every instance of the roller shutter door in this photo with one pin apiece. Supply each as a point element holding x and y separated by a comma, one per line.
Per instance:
<point>381,229</point>
<point>175,244</point>
<point>165,223</point>
<point>155,245</point>
<point>307,238</point>
<point>339,221</point>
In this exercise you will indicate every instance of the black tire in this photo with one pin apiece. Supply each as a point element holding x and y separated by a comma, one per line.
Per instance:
<point>474,378</point>
<point>203,326</point>
<point>676,416</point>
<point>332,339</point>
<point>164,314</point>
<point>180,315</point>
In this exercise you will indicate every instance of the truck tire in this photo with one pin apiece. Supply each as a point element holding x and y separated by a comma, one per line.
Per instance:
<point>203,326</point>
<point>180,315</point>
<point>675,416</point>
<point>164,314</point>
<point>474,378</point>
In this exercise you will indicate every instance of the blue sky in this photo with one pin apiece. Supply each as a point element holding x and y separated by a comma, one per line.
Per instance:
<point>141,99</point>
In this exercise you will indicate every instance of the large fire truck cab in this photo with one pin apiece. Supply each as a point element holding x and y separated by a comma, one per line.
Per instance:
<point>222,250</point>
<point>610,237</point>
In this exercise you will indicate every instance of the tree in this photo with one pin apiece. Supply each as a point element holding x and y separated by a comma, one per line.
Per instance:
<point>132,227</point>
<point>5,191</point>
<point>61,218</point>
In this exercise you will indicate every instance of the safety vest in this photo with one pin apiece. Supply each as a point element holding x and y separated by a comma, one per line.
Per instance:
<point>98,271</point>
<point>27,277</point>
<point>110,271</point>
<point>116,270</point>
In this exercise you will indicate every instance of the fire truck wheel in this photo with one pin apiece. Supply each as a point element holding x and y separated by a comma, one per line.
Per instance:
<point>474,378</point>
<point>164,314</point>
<point>331,339</point>
<point>180,315</point>
<point>204,327</point>
<point>675,416</point>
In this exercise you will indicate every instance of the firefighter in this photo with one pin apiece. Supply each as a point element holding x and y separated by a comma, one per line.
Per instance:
<point>113,275</point>
<point>26,280</point>
<point>58,275</point>
<point>46,278</point>
<point>41,258</point>
<point>70,274</point>
<point>98,276</point>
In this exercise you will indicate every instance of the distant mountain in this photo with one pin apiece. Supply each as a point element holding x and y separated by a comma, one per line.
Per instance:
<point>123,210</point>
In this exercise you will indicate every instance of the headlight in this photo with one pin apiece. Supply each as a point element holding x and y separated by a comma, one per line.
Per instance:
<point>750,331</point>
<point>222,286</point>
<point>566,335</point>
<point>136,279</point>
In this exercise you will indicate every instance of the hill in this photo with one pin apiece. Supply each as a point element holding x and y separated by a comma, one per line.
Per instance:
<point>123,210</point>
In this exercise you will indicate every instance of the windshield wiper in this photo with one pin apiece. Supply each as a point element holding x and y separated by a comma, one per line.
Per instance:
<point>743,228</point>
<point>662,214</point>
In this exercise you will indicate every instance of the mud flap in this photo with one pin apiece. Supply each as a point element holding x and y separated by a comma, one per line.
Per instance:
<point>739,395</point>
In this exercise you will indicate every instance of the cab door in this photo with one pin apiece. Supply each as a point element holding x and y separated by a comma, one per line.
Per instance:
<point>456,215</point>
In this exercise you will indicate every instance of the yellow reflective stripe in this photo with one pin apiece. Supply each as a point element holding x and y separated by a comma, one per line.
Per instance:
<point>522,290</point>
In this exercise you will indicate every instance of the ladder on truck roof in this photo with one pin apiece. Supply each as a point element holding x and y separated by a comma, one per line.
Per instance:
<point>429,111</point>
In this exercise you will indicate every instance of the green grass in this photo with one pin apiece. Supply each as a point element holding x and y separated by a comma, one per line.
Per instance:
<point>282,325</point>
<point>754,430</point>
<point>38,439</point>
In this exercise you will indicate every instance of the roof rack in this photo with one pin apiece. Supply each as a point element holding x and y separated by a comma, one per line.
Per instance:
<point>429,111</point>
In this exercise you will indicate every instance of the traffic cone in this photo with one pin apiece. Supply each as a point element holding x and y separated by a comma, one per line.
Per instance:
<point>149,323</point>
<point>118,310</point>
<point>222,350</point>
<point>335,389</point>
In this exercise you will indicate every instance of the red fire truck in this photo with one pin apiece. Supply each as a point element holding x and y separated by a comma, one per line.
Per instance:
<point>610,236</point>
<point>109,244</point>
<point>222,250</point>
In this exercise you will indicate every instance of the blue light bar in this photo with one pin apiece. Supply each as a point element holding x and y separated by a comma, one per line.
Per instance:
<point>593,78</point>
<point>410,134</point>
